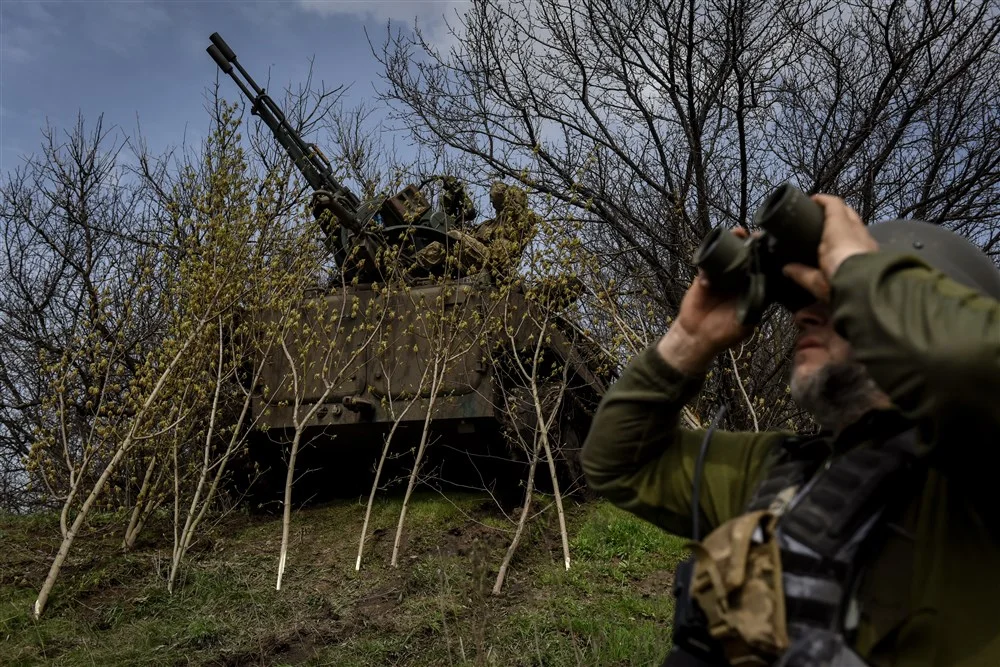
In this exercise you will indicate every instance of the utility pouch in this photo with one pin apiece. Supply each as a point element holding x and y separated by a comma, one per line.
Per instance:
<point>737,585</point>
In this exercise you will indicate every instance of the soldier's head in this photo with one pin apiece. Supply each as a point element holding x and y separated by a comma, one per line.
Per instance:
<point>827,380</point>
<point>498,192</point>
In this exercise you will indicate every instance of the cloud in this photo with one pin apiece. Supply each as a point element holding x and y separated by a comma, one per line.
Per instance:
<point>381,11</point>
<point>433,16</point>
<point>123,26</point>
<point>32,28</point>
<point>269,16</point>
<point>28,29</point>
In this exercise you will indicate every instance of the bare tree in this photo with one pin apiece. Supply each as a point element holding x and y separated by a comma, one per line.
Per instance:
<point>537,410</point>
<point>118,427</point>
<point>230,250</point>
<point>72,223</point>
<point>655,121</point>
<point>321,349</point>
<point>279,263</point>
<point>398,411</point>
<point>553,374</point>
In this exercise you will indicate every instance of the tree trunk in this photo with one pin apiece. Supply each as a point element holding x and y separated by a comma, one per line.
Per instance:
<point>371,495</point>
<point>522,521</point>
<point>286,516</point>
<point>424,436</point>
<point>50,579</point>
<point>134,524</point>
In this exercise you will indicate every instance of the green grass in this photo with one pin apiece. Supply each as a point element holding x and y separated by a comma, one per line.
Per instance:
<point>612,607</point>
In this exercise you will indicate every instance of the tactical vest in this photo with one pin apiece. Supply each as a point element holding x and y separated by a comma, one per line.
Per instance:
<point>821,516</point>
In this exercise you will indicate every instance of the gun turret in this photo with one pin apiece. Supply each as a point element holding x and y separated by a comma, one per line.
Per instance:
<point>407,219</point>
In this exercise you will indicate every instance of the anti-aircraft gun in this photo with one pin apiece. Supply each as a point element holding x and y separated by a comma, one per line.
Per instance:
<point>478,407</point>
<point>358,233</point>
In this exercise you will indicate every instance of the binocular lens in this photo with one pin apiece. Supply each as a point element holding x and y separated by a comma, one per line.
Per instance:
<point>790,216</point>
<point>771,209</point>
<point>719,255</point>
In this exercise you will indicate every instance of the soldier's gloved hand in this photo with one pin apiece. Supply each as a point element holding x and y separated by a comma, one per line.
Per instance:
<point>706,325</point>
<point>844,235</point>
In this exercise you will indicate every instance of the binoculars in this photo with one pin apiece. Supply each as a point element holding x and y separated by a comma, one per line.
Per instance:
<point>792,227</point>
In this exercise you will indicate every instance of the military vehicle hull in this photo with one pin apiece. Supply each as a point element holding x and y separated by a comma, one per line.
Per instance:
<point>457,365</point>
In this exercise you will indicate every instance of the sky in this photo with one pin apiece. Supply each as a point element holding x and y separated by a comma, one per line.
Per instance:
<point>144,60</point>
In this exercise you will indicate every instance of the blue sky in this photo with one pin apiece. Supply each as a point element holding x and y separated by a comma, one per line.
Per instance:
<point>146,59</point>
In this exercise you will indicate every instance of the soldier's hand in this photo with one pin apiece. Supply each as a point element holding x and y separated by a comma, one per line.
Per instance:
<point>706,325</point>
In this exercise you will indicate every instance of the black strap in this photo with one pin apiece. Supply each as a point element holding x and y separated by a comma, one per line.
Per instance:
<point>699,471</point>
<point>821,649</point>
<point>823,533</point>
<point>693,646</point>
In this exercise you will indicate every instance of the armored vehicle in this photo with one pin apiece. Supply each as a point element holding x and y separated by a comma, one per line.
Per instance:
<point>428,342</point>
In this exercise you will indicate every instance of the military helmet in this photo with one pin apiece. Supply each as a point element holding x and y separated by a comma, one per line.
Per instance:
<point>943,249</point>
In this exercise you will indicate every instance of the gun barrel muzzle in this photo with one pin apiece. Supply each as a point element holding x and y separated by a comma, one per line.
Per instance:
<point>219,59</point>
<point>222,46</point>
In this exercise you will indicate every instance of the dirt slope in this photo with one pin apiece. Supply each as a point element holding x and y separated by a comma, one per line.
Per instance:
<point>611,608</point>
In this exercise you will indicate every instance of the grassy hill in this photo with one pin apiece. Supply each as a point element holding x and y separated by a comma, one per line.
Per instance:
<point>612,607</point>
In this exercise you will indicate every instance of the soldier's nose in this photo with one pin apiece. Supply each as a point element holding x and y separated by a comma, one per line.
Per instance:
<point>816,315</point>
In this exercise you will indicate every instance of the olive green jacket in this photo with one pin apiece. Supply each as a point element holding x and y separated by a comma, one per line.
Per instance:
<point>931,596</point>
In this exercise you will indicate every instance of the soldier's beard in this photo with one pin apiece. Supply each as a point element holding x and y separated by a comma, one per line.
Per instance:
<point>837,394</point>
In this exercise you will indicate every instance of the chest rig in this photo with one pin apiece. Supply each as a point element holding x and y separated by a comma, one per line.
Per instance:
<point>825,513</point>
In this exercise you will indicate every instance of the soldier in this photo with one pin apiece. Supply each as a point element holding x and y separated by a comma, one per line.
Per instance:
<point>456,201</point>
<point>875,542</point>
<point>495,245</point>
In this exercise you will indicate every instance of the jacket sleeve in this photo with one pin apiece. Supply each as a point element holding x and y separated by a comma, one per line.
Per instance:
<point>930,343</point>
<point>637,456</point>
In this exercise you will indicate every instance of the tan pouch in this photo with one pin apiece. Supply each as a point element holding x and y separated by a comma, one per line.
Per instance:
<point>737,583</point>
